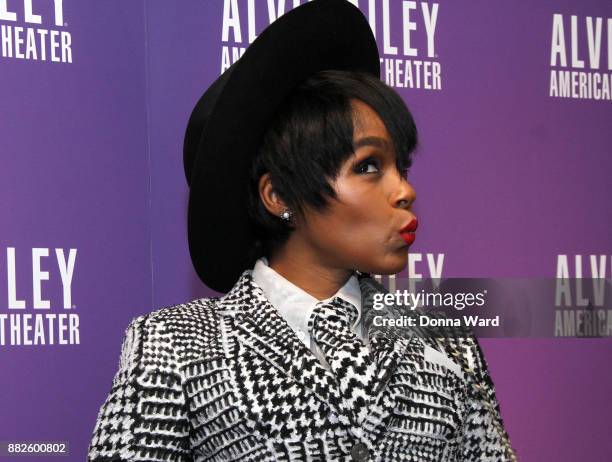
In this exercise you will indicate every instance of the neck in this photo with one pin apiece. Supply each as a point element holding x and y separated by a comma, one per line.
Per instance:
<point>306,270</point>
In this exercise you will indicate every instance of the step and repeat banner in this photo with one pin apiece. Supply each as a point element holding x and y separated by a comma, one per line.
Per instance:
<point>513,105</point>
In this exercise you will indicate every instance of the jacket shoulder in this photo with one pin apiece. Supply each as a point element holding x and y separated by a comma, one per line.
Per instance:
<point>192,327</point>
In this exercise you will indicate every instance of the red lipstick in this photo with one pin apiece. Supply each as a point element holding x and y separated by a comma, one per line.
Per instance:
<point>408,231</point>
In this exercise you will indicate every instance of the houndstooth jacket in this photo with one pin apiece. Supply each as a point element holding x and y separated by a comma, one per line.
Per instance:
<point>227,379</point>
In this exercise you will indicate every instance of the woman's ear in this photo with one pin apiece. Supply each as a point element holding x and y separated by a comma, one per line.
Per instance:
<point>271,200</point>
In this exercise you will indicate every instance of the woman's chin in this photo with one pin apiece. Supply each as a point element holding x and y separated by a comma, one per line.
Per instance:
<point>392,265</point>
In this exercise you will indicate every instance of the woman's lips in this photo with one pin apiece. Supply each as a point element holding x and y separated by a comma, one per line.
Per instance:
<point>408,231</point>
<point>408,237</point>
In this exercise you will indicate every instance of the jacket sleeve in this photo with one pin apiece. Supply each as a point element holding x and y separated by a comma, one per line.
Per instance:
<point>144,417</point>
<point>483,436</point>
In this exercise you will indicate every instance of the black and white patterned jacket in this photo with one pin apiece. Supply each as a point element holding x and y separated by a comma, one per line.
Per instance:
<point>226,379</point>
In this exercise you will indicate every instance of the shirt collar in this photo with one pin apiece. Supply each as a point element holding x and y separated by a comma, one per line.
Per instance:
<point>293,303</point>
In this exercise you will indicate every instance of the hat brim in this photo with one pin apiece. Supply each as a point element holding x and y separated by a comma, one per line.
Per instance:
<point>319,35</point>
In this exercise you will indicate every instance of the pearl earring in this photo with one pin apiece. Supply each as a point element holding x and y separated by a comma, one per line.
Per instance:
<point>286,215</point>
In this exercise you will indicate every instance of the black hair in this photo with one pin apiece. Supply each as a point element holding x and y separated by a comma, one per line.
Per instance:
<point>308,140</point>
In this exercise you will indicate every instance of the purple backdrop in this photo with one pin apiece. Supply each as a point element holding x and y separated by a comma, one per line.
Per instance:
<point>508,175</point>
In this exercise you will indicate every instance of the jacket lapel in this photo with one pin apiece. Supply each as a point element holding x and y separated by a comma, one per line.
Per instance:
<point>261,329</point>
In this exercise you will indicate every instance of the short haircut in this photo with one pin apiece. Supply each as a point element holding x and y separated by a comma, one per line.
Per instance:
<point>308,140</point>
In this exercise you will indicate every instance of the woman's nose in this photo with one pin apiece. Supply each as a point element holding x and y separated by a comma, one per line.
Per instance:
<point>406,194</point>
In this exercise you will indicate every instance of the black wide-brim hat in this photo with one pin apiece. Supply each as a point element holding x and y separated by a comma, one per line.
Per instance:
<point>228,122</point>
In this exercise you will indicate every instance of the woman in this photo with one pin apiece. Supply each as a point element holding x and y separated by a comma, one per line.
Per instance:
<point>296,161</point>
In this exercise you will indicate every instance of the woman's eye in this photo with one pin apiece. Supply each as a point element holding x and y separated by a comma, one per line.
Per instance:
<point>368,166</point>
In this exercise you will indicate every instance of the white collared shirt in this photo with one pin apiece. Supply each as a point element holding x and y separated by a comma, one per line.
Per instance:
<point>295,305</point>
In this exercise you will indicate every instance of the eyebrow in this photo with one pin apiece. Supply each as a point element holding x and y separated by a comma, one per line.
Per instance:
<point>371,141</point>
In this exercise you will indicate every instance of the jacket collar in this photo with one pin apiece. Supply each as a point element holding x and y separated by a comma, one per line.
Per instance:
<point>259,327</point>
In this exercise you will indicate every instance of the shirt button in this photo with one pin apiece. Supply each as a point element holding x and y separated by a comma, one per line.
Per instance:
<point>360,452</point>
